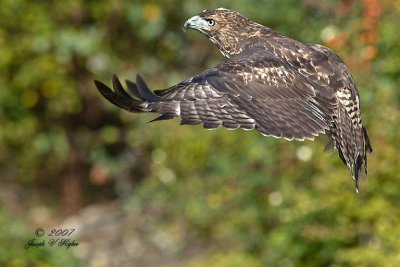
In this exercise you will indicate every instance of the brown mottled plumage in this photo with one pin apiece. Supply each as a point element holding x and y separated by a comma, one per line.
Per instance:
<point>269,82</point>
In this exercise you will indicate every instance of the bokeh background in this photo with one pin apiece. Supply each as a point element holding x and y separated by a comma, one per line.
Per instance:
<point>161,194</point>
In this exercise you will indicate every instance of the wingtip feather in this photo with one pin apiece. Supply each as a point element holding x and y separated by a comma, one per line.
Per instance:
<point>132,87</point>
<point>144,90</point>
<point>119,97</point>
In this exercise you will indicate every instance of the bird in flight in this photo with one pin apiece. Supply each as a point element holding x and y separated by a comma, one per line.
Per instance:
<point>268,82</point>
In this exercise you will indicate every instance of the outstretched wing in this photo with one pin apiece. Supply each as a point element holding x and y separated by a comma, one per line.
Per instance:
<point>253,90</point>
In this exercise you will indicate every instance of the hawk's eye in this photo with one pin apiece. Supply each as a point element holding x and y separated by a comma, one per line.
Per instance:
<point>210,22</point>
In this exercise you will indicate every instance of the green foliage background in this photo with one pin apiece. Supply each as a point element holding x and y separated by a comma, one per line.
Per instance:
<point>246,200</point>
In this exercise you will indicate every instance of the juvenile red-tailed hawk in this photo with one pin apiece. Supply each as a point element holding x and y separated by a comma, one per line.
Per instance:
<point>269,82</point>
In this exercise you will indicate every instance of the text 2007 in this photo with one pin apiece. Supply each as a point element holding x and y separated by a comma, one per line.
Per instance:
<point>61,232</point>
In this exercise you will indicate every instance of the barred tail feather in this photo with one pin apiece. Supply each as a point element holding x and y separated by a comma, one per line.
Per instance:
<point>368,146</point>
<point>352,144</point>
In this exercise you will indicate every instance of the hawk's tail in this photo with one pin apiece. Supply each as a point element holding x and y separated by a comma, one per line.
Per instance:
<point>122,99</point>
<point>352,142</point>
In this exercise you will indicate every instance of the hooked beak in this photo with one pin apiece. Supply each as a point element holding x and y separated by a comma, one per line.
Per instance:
<point>196,23</point>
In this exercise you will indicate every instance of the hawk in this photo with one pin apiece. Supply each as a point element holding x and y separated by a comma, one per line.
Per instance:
<point>268,82</point>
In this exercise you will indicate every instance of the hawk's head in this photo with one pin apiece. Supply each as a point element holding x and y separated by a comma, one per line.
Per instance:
<point>225,28</point>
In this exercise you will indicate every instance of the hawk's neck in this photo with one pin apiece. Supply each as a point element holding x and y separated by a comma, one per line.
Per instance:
<point>255,36</point>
